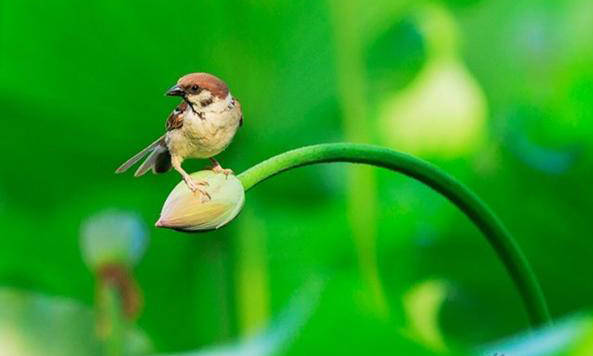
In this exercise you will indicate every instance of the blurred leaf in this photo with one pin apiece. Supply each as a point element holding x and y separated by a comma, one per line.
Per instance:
<point>36,325</point>
<point>278,335</point>
<point>570,337</point>
<point>441,113</point>
<point>422,304</point>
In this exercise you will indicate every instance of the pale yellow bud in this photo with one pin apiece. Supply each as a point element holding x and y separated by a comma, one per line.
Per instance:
<point>187,211</point>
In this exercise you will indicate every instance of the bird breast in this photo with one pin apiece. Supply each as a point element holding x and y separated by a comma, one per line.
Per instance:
<point>204,134</point>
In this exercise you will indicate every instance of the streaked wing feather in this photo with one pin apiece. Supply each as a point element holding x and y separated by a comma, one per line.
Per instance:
<point>138,156</point>
<point>148,164</point>
<point>175,121</point>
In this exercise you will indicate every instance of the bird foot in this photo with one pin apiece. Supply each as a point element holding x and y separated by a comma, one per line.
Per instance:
<point>194,187</point>
<point>218,169</point>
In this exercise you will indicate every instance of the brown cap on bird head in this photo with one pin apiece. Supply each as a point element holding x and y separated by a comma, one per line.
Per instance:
<point>195,82</point>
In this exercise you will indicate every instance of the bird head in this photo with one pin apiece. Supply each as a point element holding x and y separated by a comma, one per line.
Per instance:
<point>199,89</point>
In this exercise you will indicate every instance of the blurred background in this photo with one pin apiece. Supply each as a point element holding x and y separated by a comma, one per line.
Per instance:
<point>329,259</point>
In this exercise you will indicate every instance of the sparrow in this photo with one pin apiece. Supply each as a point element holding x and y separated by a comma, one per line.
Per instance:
<point>201,126</point>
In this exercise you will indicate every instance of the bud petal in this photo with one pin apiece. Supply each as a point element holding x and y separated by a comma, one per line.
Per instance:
<point>184,210</point>
<point>113,237</point>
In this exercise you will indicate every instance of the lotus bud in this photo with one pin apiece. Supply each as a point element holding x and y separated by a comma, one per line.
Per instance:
<point>113,237</point>
<point>187,211</point>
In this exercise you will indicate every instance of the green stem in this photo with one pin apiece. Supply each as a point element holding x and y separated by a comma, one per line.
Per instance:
<point>114,321</point>
<point>473,207</point>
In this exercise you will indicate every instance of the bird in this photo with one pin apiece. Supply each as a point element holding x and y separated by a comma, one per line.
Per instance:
<point>201,126</point>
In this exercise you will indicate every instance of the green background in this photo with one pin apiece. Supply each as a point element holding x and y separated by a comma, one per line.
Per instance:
<point>498,93</point>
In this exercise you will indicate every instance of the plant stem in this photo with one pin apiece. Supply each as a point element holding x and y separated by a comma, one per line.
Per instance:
<point>113,315</point>
<point>473,207</point>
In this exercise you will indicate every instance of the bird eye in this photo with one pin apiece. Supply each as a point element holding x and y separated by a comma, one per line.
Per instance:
<point>194,87</point>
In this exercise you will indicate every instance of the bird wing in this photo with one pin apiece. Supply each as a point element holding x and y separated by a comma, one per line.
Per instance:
<point>174,122</point>
<point>175,119</point>
<point>162,163</point>
<point>158,153</point>
<point>158,144</point>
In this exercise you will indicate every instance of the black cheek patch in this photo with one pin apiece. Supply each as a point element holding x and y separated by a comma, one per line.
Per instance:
<point>206,102</point>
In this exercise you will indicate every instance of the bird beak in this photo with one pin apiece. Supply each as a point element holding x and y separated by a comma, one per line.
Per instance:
<point>175,91</point>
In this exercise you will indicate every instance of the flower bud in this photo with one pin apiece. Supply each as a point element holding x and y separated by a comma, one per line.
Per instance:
<point>187,211</point>
<point>113,237</point>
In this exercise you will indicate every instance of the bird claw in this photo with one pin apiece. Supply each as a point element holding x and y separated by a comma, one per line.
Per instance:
<point>193,186</point>
<point>219,169</point>
<point>205,196</point>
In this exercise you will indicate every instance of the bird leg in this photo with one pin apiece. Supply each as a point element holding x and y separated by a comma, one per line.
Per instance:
<point>191,184</point>
<point>217,168</point>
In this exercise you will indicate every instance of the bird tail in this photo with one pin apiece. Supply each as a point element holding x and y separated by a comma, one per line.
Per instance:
<point>159,159</point>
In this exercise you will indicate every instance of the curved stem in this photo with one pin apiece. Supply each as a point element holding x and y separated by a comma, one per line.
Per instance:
<point>473,207</point>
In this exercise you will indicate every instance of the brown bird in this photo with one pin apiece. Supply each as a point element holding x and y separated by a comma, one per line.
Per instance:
<point>202,126</point>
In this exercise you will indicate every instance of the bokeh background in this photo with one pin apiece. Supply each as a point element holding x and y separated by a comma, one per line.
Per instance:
<point>498,93</point>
